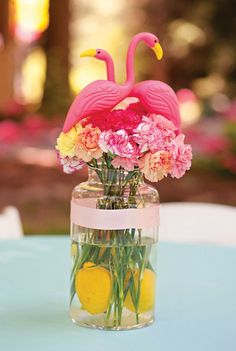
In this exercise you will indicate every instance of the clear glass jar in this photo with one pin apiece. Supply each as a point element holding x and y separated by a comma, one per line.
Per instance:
<point>114,232</point>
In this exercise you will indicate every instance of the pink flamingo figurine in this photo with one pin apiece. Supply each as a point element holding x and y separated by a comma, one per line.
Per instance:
<point>102,55</point>
<point>155,96</point>
<point>103,95</point>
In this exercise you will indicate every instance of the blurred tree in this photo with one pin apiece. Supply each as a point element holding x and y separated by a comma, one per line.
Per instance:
<point>198,37</point>
<point>6,55</point>
<point>57,96</point>
<point>144,16</point>
<point>155,21</point>
<point>224,24</point>
<point>4,18</point>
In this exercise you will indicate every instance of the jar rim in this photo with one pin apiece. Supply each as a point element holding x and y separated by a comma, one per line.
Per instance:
<point>135,170</point>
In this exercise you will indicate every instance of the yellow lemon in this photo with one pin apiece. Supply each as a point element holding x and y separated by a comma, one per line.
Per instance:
<point>147,292</point>
<point>93,286</point>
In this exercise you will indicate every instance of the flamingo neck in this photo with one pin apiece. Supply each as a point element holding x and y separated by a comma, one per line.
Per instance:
<point>110,68</point>
<point>130,77</point>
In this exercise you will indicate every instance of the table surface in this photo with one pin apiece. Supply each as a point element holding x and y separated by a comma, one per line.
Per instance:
<point>196,300</point>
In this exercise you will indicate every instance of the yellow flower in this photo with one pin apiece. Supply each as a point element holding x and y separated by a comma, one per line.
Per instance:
<point>93,285</point>
<point>147,291</point>
<point>66,142</point>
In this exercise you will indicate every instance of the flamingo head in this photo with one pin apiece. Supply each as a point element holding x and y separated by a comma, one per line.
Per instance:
<point>99,54</point>
<point>153,42</point>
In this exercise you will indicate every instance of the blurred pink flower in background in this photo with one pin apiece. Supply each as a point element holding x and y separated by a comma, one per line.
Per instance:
<point>12,108</point>
<point>205,143</point>
<point>211,145</point>
<point>10,132</point>
<point>230,113</point>
<point>186,95</point>
<point>38,131</point>
<point>1,42</point>
<point>229,162</point>
<point>34,124</point>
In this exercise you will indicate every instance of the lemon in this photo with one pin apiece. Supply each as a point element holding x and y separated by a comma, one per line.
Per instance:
<point>93,286</point>
<point>147,292</point>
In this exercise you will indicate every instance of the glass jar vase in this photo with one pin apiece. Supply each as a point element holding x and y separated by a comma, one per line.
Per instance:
<point>114,232</point>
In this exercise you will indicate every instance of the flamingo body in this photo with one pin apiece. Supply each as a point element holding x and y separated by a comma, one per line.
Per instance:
<point>158,97</point>
<point>103,95</point>
<point>154,95</point>
<point>97,96</point>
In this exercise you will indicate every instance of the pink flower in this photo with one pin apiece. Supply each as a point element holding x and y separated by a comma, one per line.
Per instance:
<point>10,132</point>
<point>181,156</point>
<point>137,107</point>
<point>117,143</point>
<point>1,42</point>
<point>230,112</point>
<point>229,162</point>
<point>13,108</point>
<point>87,146</point>
<point>164,124</point>
<point>131,118</point>
<point>147,136</point>
<point>155,166</point>
<point>211,145</point>
<point>154,133</point>
<point>71,164</point>
<point>34,124</point>
<point>116,120</point>
<point>126,163</point>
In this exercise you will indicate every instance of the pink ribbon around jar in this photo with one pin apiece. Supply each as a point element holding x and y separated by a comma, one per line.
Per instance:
<point>85,214</point>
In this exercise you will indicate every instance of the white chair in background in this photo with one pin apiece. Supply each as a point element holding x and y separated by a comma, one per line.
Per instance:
<point>198,223</point>
<point>10,224</point>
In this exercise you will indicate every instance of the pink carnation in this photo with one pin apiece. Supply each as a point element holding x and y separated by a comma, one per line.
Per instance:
<point>154,133</point>
<point>116,120</point>
<point>71,164</point>
<point>137,107</point>
<point>164,124</point>
<point>87,146</point>
<point>155,166</point>
<point>181,156</point>
<point>117,143</point>
<point>130,120</point>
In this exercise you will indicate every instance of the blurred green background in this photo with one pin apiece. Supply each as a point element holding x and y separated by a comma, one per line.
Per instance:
<point>41,72</point>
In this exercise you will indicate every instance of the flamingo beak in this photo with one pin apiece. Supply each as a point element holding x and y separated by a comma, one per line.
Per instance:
<point>88,53</point>
<point>158,51</point>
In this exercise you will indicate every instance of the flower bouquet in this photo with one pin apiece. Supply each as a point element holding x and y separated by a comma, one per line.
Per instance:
<point>115,215</point>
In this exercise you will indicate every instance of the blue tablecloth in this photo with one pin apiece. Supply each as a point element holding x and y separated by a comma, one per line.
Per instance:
<point>196,304</point>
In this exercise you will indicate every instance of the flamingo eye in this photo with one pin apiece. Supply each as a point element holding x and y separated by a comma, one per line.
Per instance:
<point>99,52</point>
<point>155,41</point>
